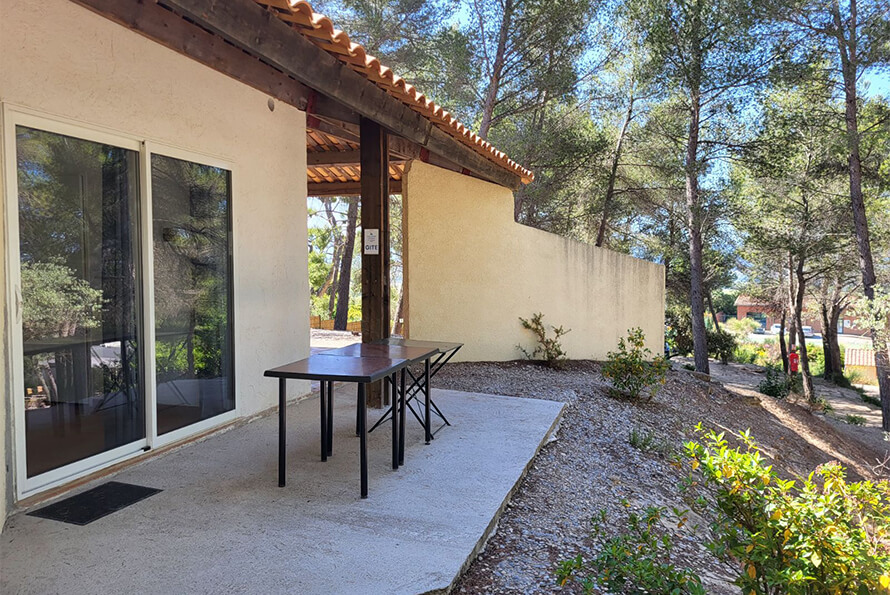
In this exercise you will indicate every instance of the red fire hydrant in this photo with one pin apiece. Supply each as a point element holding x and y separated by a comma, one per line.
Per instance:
<point>793,361</point>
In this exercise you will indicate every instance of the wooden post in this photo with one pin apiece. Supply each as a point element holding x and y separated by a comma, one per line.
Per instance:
<point>375,216</point>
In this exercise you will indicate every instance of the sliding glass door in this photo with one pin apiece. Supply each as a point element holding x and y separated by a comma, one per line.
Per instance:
<point>191,227</point>
<point>78,227</point>
<point>124,296</point>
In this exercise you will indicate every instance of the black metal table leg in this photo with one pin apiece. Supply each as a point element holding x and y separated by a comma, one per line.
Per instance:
<point>282,431</point>
<point>426,395</point>
<point>402,403</point>
<point>395,421</point>
<point>323,401</point>
<point>330,418</point>
<point>358,417</point>
<point>363,434</point>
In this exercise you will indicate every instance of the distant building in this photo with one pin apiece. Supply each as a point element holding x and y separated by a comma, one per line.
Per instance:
<point>769,314</point>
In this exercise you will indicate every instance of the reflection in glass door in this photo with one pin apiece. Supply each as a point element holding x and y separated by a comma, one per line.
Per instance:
<point>191,230</point>
<point>78,237</point>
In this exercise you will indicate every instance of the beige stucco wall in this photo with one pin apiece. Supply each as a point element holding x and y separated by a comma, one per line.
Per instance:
<point>472,271</point>
<point>63,60</point>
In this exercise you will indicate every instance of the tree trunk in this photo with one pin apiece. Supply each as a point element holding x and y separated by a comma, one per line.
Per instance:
<point>694,213</point>
<point>836,362</point>
<point>398,327</point>
<point>342,315</point>
<point>830,370</point>
<point>711,310</point>
<point>808,389</point>
<point>491,93</point>
<point>792,323</point>
<point>613,172</point>
<point>783,347</point>
<point>847,49</point>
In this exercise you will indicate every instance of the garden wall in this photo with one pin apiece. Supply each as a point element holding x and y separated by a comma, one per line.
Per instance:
<point>472,271</point>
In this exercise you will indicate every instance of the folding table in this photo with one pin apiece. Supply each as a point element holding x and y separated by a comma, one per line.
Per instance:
<point>332,368</point>
<point>411,353</point>
<point>421,383</point>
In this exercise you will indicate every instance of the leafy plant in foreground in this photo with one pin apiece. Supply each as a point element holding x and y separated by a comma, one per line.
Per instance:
<point>632,369</point>
<point>636,561</point>
<point>820,535</point>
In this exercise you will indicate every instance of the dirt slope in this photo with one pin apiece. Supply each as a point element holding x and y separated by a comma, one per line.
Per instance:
<point>592,467</point>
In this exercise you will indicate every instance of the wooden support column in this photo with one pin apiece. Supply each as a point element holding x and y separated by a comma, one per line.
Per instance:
<point>375,216</point>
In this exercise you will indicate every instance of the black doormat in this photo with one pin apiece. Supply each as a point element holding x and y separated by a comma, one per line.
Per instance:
<point>86,507</point>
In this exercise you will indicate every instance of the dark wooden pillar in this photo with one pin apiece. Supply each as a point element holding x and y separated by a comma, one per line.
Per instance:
<point>375,216</point>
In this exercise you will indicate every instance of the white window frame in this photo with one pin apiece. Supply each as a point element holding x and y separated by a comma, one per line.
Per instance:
<point>164,150</point>
<point>13,116</point>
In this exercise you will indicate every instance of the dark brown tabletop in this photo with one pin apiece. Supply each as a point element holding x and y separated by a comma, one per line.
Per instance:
<point>412,354</point>
<point>441,346</point>
<point>342,368</point>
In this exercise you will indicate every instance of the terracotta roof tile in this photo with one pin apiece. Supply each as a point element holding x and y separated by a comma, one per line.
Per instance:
<point>321,31</point>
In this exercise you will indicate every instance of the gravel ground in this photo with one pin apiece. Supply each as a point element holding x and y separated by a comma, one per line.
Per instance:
<point>591,466</point>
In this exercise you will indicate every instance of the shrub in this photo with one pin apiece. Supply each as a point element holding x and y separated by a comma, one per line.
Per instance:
<point>819,535</point>
<point>720,345</point>
<point>548,348</point>
<point>775,384</point>
<point>854,420</point>
<point>632,369</point>
<point>741,327</point>
<point>648,441</point>
<point>635,562</point>
<point>747,353</point>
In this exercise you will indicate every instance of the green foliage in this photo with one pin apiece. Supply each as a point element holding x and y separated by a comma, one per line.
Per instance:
<point>649,441</point>
<point>59,303</point>
<point>549,348</point>
<point>818,535</point>
<point>637,561</point>
<point>776,383</point>
<point>854,420</point>
<point>747,353</point>
<point>678,331</point>
<point>721,345</point>
<point>632,369</point>
<point>741,327</point>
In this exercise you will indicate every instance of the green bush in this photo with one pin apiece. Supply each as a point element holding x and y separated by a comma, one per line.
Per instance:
<point>747,353</point>
<point>549,348</point>
<point>635,562</point>
<point>632,369</point>
<point>854,420</point>
<point>819,535</point>
<point>721,345</point>
<point>776,383</point>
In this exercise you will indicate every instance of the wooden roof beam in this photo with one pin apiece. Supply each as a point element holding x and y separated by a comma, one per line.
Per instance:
<point>247,25</point>
<point>347,188</point>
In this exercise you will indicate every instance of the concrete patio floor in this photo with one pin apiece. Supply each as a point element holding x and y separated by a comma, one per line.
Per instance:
<point>222,525</point>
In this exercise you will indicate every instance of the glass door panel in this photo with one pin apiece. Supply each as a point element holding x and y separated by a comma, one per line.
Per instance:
<point>78,222</point>
<point>191,228</point>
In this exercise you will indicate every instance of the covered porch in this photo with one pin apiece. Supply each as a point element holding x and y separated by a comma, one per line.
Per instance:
<point>221,522</point>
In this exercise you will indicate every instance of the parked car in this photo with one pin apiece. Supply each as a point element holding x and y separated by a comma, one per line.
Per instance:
<point>775,329</point>
<point>808,331</point>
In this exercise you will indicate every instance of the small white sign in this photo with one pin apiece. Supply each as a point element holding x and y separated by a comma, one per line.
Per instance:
<point>848,323</point>
<point>372,241</point>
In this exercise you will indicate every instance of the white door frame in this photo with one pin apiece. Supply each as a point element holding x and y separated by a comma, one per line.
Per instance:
<point>13,116</point>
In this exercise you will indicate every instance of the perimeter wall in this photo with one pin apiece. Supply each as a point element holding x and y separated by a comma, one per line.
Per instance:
<point>472,271</point>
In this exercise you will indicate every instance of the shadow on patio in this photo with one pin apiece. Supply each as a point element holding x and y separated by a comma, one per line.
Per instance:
<point>221,524</point>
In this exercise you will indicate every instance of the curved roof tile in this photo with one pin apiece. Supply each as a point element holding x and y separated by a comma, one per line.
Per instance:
<point>321,31</point>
